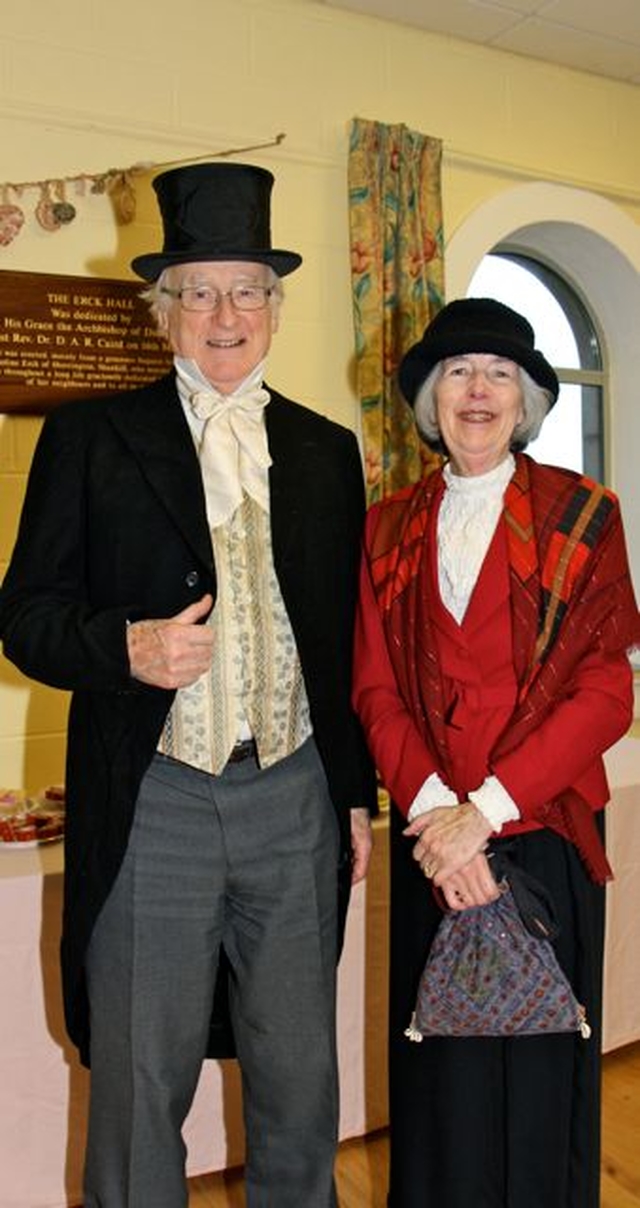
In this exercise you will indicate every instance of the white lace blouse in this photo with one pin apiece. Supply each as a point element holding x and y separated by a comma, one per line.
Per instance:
<point>467,520</point>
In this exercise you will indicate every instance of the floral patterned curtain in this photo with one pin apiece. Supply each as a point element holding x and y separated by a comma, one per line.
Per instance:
<point>397,274</point>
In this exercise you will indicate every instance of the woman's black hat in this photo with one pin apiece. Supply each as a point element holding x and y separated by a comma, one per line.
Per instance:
<point>215,211</point>
<point>475,325</point>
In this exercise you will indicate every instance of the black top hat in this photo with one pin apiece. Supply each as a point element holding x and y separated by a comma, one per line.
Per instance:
<point>216,211</point>
<point>475,325</point>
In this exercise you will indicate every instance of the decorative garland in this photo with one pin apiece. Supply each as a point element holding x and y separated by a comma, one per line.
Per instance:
<point>54,210</point>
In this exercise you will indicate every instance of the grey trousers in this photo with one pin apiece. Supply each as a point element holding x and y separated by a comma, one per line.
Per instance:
<point>247,859</point>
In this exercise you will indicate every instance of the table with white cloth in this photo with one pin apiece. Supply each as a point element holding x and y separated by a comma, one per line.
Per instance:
<point>43,1088</point>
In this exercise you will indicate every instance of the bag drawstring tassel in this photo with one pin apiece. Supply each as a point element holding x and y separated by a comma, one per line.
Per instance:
<point>585,1030</point>
<point>412,1032</point>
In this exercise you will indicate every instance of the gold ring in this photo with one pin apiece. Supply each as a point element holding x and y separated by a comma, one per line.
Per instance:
<point>428,868</point>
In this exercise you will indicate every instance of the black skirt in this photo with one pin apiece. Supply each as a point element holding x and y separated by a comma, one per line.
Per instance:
<point>493,1123</point>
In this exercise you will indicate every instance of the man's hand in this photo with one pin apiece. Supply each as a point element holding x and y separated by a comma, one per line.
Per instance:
<point>174,652</point>
<point>361,844</point>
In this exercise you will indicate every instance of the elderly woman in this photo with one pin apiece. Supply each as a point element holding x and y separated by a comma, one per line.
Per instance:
<point>491,674</point>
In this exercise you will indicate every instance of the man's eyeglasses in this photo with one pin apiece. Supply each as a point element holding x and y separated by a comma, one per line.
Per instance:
<point>208,298</point>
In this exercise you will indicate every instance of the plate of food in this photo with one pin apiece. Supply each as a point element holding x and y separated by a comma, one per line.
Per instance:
<point>30,821</point>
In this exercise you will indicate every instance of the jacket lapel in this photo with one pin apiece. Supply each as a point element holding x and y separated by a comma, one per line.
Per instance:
<point>286,497</point>
<point>157,435</point>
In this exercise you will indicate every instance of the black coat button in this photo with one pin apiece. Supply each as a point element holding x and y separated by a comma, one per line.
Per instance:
<point>192,579</point>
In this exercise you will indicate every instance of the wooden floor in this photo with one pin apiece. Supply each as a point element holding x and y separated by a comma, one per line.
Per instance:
<point>361,1170</point>
<point>621,1129</point>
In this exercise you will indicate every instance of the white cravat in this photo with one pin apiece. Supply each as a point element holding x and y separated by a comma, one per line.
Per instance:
<point>232,436</point>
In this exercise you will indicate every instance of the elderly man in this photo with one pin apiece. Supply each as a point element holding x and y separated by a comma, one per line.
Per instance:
<point>186,566</point>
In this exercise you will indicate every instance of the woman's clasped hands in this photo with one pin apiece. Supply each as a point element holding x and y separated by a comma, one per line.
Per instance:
<point>450,843</point>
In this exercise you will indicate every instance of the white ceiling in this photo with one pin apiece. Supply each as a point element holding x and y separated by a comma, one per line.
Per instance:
<point>599,36</point>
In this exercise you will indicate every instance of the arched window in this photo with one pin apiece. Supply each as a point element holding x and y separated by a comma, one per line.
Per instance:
<point>573,432</point>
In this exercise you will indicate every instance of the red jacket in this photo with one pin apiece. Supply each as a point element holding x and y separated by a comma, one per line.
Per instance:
<point>434,696</point>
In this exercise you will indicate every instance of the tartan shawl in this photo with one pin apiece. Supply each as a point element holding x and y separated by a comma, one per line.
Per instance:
<point>571,593</point>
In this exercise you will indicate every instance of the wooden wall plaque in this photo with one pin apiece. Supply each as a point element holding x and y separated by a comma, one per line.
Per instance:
<point>73,337</point>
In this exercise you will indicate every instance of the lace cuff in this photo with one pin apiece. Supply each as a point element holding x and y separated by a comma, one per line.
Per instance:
<point>493,800</point>
<point>433,794</point>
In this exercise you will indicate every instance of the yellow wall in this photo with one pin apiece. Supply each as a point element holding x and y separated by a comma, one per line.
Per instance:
<point>86,86</point>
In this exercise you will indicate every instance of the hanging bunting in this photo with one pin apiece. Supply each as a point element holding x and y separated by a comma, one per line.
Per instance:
<point>54,210</point>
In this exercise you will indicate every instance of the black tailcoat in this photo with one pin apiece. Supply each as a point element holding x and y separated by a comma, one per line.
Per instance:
<point>114,529</point>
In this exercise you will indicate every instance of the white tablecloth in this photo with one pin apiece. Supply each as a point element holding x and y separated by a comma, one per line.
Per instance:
<point>43,1089</point>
